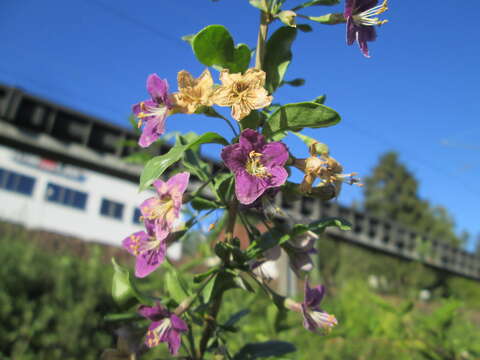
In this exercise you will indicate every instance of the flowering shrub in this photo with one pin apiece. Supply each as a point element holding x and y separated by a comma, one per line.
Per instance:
<point>256,168</point>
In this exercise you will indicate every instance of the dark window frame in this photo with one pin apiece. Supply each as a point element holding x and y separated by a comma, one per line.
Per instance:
<point>112,209</point>
<point>136,216</point>
<point>17,182</point>
<point>66,196</point>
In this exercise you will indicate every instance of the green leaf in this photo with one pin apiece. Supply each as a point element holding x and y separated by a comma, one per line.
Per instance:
<point>321,99</point>
<point>278,56</point>
<point>208,138</point>
<point>223,282</point>
<point>241,59</point>
<point>122,316</point>
<point>318,2</point>
<point>200,277</point>
<point>304,27</point>
<point>264,349</point>
<point>295,82</point>
<point>296,116</point>
<point>243,284</point>
<point>200,203</point>
<point>174,287</point>
<point>124,291</point>
<point>277,236</point>
<point>232,320</point>
<point>194,164</point>
<point>207,291</point>
<point>253,120</point>
<point>157,166</point>
<point>214,46</point>
<point>319,226</point>
<point>188,38</point>
<point>223,185</point>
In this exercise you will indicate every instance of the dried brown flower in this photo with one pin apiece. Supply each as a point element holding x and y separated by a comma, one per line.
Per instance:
<point>327,169</point>
<point>243,93</point>
<point>192,92</point>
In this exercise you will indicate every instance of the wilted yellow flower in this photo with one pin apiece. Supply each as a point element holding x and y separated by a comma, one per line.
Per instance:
<point>243,93</point>
<point>193,93</point>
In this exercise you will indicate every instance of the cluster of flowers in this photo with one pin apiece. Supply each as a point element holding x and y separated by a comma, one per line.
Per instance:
<point>257,165</point>
<point>242,92</point>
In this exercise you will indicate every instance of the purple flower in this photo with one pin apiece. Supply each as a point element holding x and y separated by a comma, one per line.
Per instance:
<point>164,208</point>
<point>153,111</point>
<point>360,15</point>
<point>165,327</point>
<point>313,317</point>
<point>148,249</point>
<point>257,165</point>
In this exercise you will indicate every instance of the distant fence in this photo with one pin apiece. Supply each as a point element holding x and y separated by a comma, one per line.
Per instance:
<point>33,124</point>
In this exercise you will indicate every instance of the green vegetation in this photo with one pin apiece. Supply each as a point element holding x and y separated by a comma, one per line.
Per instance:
<point>52,307</point>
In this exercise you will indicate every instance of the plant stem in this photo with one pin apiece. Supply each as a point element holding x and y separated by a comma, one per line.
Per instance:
<point>230,125</point>
<point>262,38</point>
<point>191,342</point>
<point>212,315</point>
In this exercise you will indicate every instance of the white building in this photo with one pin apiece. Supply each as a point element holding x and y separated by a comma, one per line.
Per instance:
<point>62,171</point>
<point>46,194</point>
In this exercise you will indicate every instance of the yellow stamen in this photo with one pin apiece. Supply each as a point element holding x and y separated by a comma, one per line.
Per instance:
<point>161,209</point>
<point>368,18</point>
<point>255,167</point>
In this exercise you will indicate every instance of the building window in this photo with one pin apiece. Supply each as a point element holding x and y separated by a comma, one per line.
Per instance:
<point>12,181</point>
<point>65,196</point>
<point>112,209</point>
<point>136,216</point>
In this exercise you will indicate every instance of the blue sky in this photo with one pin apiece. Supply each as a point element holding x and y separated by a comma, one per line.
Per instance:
<point>418,94</point>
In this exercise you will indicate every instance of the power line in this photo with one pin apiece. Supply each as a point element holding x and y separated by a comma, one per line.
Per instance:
<point>416,159</point>
<point>134,21</point>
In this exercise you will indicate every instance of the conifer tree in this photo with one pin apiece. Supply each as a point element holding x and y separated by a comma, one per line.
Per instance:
<point>391,192</point>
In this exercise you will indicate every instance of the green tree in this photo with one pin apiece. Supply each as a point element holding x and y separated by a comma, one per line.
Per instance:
<point>392,192</point>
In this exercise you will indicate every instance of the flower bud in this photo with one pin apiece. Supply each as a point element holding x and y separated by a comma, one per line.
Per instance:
<point>288,17</point>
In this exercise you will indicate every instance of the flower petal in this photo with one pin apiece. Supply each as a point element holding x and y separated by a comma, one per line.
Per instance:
<point>141,106</point>
<point>154,128</point>
<point>185,79</point>
<point>174,341</point>
<point>365,34</point>
<point>178,324</point>
<point>154,313</point>
<point>147,206</point>
<point>133,243</point>
<point>221,97</point>
<point>158,89</point>
<point>300,262</point>
<point>274,153</point>
<point>234,156</point>
<point>278,176</point>
<point>248,188</point>
<point>251,140</point>
<point>179,182</point>
<point>349,7</point>
<point>313,296</point>
<point>148,261</point>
